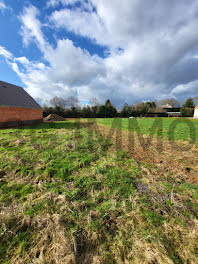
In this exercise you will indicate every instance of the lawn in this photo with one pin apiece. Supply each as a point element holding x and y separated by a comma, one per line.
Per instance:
<point>170,128</point>
<point>67,196</point>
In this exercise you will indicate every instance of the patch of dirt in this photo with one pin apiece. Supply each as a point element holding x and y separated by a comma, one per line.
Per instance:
<point>168,158</point>
<point>54,117</point>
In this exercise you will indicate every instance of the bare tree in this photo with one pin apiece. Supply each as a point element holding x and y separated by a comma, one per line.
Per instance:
<point>169,101</point>
<point>94,101</point>
<point>58,102</point>
<point>39,100</point>
<point>71,101</point>
<point>160,110</point>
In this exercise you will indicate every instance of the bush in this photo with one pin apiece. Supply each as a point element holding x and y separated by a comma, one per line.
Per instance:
<point>187,112</point>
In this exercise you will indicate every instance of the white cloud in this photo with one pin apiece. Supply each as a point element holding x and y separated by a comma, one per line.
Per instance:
<point>4,52</point>
<point>2,5</point>
<point>157,58</point>
<point>31,27</point>
<point>191,87</point>
<point>63,2</point>
<point>87,24</point>
<point>70,67</point>
<point>153,36</point>
<point>23,60</point>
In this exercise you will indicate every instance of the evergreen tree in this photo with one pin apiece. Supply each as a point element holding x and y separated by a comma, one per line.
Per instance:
<point>125,112</point>
<point>110,109</point>
<point>189,103</point>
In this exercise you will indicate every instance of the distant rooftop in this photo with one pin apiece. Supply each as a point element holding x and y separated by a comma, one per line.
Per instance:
<point>166,106</point>
<point>16,96</point>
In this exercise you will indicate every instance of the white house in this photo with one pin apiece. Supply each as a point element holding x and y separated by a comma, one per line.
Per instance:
<point>166,106</point>
<point>196,112</point>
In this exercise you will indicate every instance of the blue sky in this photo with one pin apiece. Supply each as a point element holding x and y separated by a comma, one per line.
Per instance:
<point>129,52</point>
<point>10,28</point>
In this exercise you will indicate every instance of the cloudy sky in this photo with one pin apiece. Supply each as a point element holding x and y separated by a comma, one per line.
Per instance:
<point>128,51</point>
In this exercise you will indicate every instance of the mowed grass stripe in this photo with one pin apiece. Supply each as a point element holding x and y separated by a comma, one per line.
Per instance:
<point>182,129</point>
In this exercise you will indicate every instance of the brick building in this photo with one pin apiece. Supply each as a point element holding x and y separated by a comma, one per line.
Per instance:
<point>17,107</point>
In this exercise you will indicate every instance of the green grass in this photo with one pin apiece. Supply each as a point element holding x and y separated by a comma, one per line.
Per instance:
<point>183,128</point>
<point>61,186</point>
<point>14,191</point>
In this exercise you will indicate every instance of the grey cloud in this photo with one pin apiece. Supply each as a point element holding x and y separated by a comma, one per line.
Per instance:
<point>158,41</point>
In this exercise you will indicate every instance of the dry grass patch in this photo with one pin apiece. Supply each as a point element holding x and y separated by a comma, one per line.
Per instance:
<point>68,197</point>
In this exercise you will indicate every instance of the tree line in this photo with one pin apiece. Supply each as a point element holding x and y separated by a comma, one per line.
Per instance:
<point>70,108</point>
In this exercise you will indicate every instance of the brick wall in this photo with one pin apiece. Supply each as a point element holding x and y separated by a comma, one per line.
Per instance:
<point>12,114</point>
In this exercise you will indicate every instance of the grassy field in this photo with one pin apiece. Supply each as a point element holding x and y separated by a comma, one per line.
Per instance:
<point>170,128</point>
<point>68,196</point>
